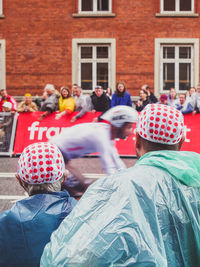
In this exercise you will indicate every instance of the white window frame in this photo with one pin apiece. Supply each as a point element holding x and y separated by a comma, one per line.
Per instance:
<point>94,11</point>
<point>177,8</point>
<point>2,64</point>
<point>158,62</point>
<point>1,7</point>
<point>76,61</point>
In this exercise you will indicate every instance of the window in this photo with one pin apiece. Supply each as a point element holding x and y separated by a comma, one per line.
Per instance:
<point>94,66</point>
<point>177,6</point>
<point>176,64</point>
<point>93,63</point>
<point>96,6</point>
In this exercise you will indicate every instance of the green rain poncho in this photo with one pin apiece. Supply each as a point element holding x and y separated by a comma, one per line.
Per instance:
<point>147,215</point>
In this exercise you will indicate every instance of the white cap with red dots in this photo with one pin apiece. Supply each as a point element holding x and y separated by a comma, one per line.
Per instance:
<point>161,124</point>
<point>41,163</point>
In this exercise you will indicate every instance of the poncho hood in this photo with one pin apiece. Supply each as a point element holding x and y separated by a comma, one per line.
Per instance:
<point>182,165</point>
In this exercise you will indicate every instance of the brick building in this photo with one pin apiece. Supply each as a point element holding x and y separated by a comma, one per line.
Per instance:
<point>93,42</point>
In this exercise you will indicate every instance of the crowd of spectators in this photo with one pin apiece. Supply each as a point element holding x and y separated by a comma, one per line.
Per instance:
<point>67,100</point>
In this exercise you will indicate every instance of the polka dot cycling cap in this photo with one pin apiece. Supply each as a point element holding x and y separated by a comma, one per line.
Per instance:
<point>160,124</point>
<point>41,163</point>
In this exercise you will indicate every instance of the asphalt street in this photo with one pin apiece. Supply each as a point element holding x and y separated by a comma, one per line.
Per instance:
<point>11,191</point>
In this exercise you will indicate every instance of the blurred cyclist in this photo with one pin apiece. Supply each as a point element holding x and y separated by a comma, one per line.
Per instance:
<point>87,138</point>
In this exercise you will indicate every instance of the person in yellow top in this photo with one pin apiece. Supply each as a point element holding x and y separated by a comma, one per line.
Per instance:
<point>66,102</point>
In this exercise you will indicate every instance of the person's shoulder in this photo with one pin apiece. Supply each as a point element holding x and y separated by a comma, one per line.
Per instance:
<point>102,128</point>
<point>127,93</point>
<point>3,215</point>
<point>72,99</point>
<point>22,103</point>
<point>106,96</point>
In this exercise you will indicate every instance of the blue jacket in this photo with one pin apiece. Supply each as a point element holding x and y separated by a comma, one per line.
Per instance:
<point>27,226</point>
<point>121,100</point>
<point>185,109</point>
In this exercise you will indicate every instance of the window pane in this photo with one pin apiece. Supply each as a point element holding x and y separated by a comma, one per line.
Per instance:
<point>184,76</point>
<point>86,52</point>
<point>185,5</point>
<point>169,5</point>
<point>86,75</point>
<point>102,75</point>
<point>168,75</point>
<point>102,52</point>
<point>168,52</point>
<point>87,5</point>
<point>102,5</point>
<point>184,52</point>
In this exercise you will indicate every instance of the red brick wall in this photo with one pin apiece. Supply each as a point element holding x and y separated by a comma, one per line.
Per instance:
<point>39,36</point>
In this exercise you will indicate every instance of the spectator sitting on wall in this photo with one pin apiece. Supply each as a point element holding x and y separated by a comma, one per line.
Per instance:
<point>197,100</point>
<point>27,105</point>
<point>163,99</point>
<point>66,102</point>
<point>146,215</point>
<point>100,101</point>
<point>27,226</point>
<point>121,96</point>
<point>83,102</point>
<point>151,97</point>
<point>50,104</point>
<point>6,125</point>
<point>172,98</point>
<point>184,106</point>
<point>5,97</point>
<point>143,101</point>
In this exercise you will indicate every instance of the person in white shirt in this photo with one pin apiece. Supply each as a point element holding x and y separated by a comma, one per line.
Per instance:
<point>87,138</point>
<point>83,102</point>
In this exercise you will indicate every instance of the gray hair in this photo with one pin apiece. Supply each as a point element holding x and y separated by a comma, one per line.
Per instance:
<point>33,189</point>
<point>50,87</point>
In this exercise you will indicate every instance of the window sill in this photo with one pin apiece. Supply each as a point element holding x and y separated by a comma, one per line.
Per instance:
<point>85,15</point>
<point>2,16</point>
<point>196,15</point>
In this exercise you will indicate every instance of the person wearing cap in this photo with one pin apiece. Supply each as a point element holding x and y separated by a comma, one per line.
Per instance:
<point>50,103</point>
<point>66,103</point>
<point>100,101</point>
<point>27,105</point>
<point>146,215</point>
<point>6,124</point>
<point>87,138</point>
<point>163,99</point>
<point>27,226</point>
<point>5,97</point>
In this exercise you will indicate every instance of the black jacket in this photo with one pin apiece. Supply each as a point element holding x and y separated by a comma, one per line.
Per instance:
<point>101,103</point>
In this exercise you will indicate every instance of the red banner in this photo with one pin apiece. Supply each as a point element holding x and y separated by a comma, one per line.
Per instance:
<point>30,130</point>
